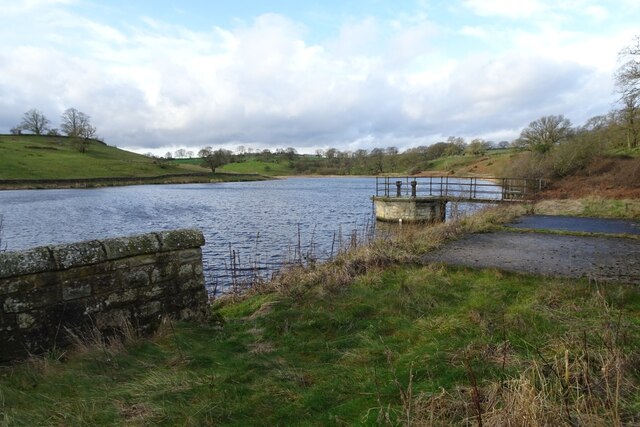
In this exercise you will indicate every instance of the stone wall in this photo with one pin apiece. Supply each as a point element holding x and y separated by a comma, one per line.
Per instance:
<point>47,291</point>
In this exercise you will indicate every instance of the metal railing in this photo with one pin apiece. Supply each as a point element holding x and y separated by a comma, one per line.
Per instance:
<point>459,188</point>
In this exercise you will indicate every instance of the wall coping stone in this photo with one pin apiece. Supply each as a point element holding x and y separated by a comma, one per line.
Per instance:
<point>66,256</point>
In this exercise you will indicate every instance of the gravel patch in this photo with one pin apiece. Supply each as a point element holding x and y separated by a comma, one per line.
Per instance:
<point>599,258</point>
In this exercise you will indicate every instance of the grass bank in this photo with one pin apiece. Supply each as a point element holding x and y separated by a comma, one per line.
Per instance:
<point>54,158</point>
<point>30,161</point>
<point>371,337</point>
<point>181,178</point>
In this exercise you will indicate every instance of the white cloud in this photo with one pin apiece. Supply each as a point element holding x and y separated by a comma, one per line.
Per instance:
<point>262,83</point>
<point>508,8</point>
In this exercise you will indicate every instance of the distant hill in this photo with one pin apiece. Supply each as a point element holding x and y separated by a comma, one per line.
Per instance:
<point>58,157</point>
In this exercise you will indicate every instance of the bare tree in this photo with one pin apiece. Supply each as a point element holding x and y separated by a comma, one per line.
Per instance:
<point>627,80</point>
<point>34,121</point>
<point>544,133</point>
<point>77,124</point>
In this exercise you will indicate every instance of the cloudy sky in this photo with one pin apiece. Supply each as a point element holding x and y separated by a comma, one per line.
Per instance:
<point>157,75</point>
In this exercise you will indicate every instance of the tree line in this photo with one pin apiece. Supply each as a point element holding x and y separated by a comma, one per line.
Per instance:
<point>73,123</point>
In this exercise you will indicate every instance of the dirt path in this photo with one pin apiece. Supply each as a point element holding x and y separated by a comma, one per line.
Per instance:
<point>599,258</point>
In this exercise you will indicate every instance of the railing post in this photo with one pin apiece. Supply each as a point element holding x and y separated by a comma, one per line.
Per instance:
<point>414,184</point>
<point>398,188</point>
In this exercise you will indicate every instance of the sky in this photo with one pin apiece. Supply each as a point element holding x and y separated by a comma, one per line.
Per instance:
<point>158,75</point>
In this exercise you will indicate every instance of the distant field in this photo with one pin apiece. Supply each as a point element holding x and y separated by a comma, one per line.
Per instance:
<point>281,168</point>
<point>257,166</point>
<point>46,157</point>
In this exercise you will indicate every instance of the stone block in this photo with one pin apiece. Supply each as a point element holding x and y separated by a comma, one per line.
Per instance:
<point>7,321</point>
<point>27,301</point>
<point>123,247</point>
<point>112,319</point>
<point>122,296</point>
<point>134,279</point>
<point>29,261</point>
<point>18,284</point>
<point>185,272</point>
<point>180,239</point>
<point>25,320</point>
<point>153,292</point>
<point>149,309</point>
<point>190,255</point>
<point>75,289</point>
<point>142,260</point>
<point>105,283</point>
<point>195,283</point>
<point>78,254</point>
<point>164,272</point>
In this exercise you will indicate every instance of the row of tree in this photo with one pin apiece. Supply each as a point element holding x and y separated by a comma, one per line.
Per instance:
<point>73,123</point>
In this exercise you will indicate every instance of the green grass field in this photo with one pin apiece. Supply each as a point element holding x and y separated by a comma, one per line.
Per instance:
<point>404,346</point>
<point>257,166</point>
<point>45,157</point>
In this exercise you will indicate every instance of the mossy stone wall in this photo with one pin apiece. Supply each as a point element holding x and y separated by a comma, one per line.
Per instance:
<point>48,291</point>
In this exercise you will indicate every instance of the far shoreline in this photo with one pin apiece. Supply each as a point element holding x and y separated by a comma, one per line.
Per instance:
<point>98,182</point>
<point>193,178</point>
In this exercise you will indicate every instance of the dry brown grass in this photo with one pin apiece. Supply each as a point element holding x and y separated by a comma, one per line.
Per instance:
<point>581,379</point>
<point>616,178</point>
<point>593,206</point>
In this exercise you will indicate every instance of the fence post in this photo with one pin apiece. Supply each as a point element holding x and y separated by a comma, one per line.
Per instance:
<point>398,188</point>
<point>414,184</point>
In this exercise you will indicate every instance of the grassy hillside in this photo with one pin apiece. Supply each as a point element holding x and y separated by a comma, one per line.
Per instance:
<point>46,157</point>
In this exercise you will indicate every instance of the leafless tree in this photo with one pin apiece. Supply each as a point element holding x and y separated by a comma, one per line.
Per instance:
<point>34,121</point>
<point>77,124</point>
<point>627,81</point>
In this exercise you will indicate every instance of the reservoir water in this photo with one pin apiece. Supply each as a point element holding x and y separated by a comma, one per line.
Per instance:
<point>256,225</point>
<point>249,227</point>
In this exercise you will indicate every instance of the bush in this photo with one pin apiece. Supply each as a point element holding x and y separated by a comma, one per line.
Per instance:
<point>562,160</point>
<point>570,157</point>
